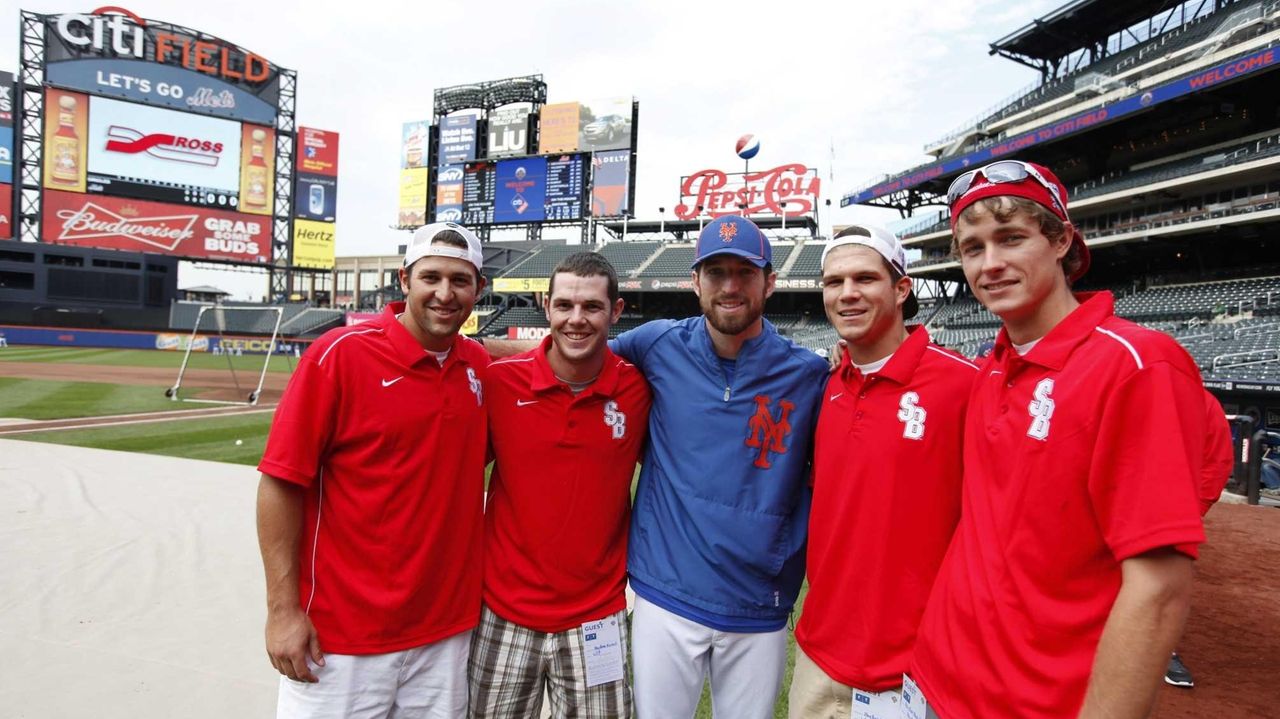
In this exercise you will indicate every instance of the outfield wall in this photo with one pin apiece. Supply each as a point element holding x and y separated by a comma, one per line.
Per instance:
<point>124,339</point>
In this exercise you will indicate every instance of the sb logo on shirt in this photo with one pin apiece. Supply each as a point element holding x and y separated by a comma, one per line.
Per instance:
<point>911,415</point>
<point>615,419</point>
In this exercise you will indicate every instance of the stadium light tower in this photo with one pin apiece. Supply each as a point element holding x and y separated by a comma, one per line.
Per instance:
<point>701,219</point>
<point>662,221</point>
<point>784,214</point>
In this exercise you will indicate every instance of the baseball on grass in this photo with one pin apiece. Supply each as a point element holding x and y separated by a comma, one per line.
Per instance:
<point>239,442</point>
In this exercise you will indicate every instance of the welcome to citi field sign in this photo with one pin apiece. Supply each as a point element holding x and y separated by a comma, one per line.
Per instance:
<point>112,51</point>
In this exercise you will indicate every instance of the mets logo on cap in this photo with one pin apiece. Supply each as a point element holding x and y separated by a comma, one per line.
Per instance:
<point>728,232</point>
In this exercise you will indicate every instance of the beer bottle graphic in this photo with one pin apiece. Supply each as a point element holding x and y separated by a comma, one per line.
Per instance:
<point>255,193</point>
<point>66,145</point>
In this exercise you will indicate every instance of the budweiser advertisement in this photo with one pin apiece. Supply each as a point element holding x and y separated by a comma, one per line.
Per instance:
<point>787,189</point>
<point>140,226</point>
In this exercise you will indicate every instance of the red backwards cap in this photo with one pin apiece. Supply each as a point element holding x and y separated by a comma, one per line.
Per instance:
<point>1029,188</point>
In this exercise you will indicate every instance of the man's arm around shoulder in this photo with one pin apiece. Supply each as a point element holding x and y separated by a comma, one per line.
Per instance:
<point>1142,630</point>
<point>291,637</point>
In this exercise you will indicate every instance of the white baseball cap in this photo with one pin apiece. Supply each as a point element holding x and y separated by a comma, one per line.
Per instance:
<point>422,245</point>
<point>882,241</point>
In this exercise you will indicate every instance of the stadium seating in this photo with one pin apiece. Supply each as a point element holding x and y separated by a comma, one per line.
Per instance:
<point>542,261</point>
<point>627,257</point>
<point>673,261</point>
<point>809,262</point>
<point>182,316</point>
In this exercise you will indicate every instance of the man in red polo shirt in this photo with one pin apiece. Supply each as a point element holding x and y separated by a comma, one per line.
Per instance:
<point>886,483</point>
<point>568,422</point>
<point>370,504</point>
<point>1068,581</point>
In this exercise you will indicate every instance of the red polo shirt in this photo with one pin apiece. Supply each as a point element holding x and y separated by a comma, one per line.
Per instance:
<point>1083,453</point>
<point>391,448</point>
<point>560,492</point>
<point>1219,458</point>
<point>886,498</point>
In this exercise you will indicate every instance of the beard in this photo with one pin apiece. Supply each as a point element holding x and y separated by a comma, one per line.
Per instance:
<point>735,324</point>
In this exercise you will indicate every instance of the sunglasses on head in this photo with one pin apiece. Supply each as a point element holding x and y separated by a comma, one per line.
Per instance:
<point>1002,172</point>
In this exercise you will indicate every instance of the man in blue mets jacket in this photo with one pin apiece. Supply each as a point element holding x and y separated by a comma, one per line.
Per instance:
<point>717,542</point>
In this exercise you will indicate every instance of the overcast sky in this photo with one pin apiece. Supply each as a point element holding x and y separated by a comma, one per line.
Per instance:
<point>874,80</point>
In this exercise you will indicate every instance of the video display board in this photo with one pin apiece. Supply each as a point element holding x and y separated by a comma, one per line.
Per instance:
<point>7,95</point>
<point>509,131</point>
<point>564,187</point>
<point>611,183</point>
<point>521,194</point>
<point>478,193</point>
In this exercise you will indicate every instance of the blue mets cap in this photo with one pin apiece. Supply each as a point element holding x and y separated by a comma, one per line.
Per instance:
<point>733,235</point>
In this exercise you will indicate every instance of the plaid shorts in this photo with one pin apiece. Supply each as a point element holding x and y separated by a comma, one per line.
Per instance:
<point>511,666</point>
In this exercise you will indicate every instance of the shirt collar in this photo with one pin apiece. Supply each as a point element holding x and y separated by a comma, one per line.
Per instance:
<point>902,365</point>
<point>543,378</point>
<point>1054,349</point>
<point>408,349</point>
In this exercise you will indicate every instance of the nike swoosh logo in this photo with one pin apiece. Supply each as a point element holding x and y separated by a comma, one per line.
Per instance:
<point>524,403</point>
<point>389,382</point>
<point>835,397</point>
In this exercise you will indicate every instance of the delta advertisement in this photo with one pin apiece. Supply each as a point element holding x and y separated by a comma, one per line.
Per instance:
<point>610,189</point>
<point>1261,61</point>
<point>120,224</point>
<point>521,190</point>
<point>114,52</point>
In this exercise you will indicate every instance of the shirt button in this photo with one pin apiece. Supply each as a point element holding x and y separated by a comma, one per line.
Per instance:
<point>863,395</point>
<point>1009,384</point>
<point>857,415</point>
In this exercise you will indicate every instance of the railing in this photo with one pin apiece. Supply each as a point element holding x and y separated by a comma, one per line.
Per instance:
<point>1223,361</point>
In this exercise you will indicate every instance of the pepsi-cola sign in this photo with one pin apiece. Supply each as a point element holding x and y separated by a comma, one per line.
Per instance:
<point>792,189</point>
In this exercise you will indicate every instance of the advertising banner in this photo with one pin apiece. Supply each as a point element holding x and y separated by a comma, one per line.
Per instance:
<point>521,193</point>
<point>413,197</point>
<point>558,128</point>
<point>117,34</point>
<point>522,284</point>
<point>509,131</point>
<point>6,212</point>
<point>316,198</point>
<point>6,155</point>
<point>162,155</point>
<point>66,124</point>
<point>791,189</point>
<point>8,96</point>
<point>610,189</point>
<point>414,137</point>
<point>449,194</point>
<point>257,163</point>
<point>139,226</point>
<point>313,244</point>
<point>605,124</point>
<point>1261,61</point>
<point>457,139</point>
<point>317,151</point>
<point>161,85</point>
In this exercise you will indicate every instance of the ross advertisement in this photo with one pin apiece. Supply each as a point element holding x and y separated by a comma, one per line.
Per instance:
<point>605,124</point>
<point>564,187</point>
<point>457,139</point>
<point>162,155</point>
<point>139,226</point>
<point>610,189</point>
<point>413,197</point>
<point>116,33</point>
<point>66,124</point>
<point>316,198</point>
<point>521,190</point>
<point>558,128</point>
<point>509,131</point>
<point>449,194</point>
<point>414,137</point>
<point>477,193</point>
<point>8,98</point>
<point>317,151</point>
<point>257,164</point>
<point>161,85</point>
<point>313,244</point>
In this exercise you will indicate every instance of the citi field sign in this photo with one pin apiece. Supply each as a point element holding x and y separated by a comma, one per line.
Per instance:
<point>111,51</point>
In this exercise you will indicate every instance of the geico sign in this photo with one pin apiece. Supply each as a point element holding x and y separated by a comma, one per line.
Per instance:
<point>116,32</point>
<point>245,345</point>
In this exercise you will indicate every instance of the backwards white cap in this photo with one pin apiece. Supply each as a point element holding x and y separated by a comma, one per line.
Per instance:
<point>877,238</point>
<point>421,245</point>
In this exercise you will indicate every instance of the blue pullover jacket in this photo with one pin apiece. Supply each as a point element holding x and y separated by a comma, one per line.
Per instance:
<point>721,512</point>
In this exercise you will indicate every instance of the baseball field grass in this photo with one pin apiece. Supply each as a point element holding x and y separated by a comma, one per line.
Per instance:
<point>50,399</point>
<point>143,358</point>
<point>238,439</point>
